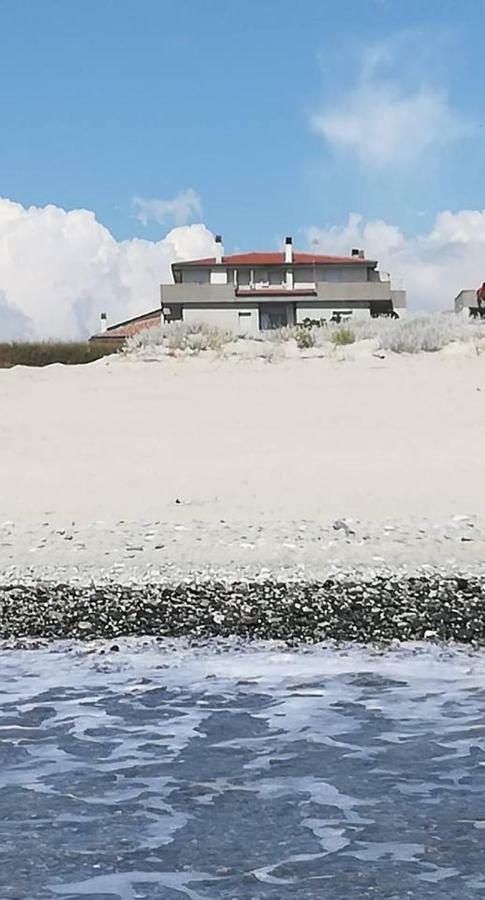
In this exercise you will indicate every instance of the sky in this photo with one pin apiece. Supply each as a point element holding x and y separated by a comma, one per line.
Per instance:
<point>133,130</point>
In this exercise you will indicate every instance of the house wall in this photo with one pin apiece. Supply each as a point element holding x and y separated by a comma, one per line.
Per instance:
<point>349,274</point>
<point>326,310</point>
<point>226,317</point>
<point>195,276</point>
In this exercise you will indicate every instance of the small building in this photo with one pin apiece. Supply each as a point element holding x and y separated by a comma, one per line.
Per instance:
<point>466,302</point>
<point>251,292</point>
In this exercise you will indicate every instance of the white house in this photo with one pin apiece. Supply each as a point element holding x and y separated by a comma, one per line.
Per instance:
<point>249,292</point>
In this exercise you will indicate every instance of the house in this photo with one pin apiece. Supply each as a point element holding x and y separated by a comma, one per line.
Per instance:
<point>250,292</point>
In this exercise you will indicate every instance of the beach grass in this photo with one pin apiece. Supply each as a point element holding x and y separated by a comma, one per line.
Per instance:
<point>44,353</point>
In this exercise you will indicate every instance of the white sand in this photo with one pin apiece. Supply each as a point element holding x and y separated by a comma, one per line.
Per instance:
<point>399,438</point>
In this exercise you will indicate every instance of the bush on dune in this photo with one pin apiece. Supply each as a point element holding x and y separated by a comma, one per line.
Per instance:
<point>180,336</point>
<point>413,334</point>
<point>343,335</point>
<point>417,334</point>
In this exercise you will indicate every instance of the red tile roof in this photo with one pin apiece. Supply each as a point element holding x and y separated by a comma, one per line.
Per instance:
<point>123,330</point>
<point>275,259</point>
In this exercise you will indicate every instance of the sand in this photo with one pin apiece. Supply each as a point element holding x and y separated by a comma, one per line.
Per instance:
<point>203,450</point>
<point>299,439</point>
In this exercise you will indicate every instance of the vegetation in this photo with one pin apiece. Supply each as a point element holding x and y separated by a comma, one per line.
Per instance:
<point>304,338</point>
<point>179,336</point>
<point>343,335</point>
<point>44,353</point>
<point>418,333</point>
<point>412,334</point>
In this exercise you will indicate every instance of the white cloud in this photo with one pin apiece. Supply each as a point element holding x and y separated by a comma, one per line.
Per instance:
<point>392,114</point>
<point>182,209</point>
<point>59,270</point>
<point>433,267</point>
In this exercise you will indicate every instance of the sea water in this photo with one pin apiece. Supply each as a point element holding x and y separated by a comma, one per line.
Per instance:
<point>163,770</point>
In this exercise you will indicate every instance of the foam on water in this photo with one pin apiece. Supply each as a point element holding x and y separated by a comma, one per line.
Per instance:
<point>165,770</point>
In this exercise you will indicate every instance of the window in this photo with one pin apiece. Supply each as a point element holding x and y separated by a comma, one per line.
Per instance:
<point>173,313</point>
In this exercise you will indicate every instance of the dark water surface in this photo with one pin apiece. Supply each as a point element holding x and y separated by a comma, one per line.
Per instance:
<point>163,771</point>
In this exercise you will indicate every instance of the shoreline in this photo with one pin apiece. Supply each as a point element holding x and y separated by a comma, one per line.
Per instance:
<point>222,486</point>
<point>297,582</point>
<point>340,609</point>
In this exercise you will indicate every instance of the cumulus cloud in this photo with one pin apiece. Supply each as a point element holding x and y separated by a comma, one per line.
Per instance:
<point>433,266</point>
<point>60,269</point>
<point>180,210</point>
<point>388,116</point>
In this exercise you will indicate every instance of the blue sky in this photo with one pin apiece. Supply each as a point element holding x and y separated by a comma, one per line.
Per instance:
<point>251,105</point>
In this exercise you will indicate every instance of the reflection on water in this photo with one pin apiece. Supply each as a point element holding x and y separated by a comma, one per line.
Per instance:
<point>164,771</point>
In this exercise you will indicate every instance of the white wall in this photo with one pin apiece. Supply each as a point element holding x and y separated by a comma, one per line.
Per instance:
<point>399,299</point>
<point>218,276</point>
<point>226,317</point>
<point>323,312</point>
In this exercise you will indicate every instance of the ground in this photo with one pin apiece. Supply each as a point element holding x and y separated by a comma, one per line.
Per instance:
<point>307,438</point>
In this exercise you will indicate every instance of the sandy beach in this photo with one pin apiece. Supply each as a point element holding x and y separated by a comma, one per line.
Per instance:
<point>316,439</point>
<point>235,487</point>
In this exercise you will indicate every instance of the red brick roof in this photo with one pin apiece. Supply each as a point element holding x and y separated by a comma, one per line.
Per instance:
<point>276,259</point>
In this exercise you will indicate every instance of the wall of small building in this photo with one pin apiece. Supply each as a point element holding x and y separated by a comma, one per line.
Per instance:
<point>399,299</point>
<point>466,299</point>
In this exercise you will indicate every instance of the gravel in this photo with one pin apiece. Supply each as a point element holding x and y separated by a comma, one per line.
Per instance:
<point>382,610</point>
<point>295,582</point>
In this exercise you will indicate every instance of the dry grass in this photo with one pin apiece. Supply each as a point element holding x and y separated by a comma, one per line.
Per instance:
<point>44,353</point>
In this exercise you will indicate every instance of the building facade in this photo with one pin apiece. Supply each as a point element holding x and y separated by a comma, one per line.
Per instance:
<point>250,292</point>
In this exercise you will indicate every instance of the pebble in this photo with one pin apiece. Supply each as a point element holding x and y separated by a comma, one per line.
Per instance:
<point>383,609</point>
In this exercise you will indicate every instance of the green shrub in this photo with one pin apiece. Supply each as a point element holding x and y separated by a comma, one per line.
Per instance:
<point>44,353</point>
<point>304,338</point>
<point>343,336</point>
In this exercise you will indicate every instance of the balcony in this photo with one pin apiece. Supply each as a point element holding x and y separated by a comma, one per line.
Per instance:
<point>321,291</point>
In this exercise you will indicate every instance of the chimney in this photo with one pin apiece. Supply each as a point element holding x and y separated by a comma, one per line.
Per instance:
<point>289,250</point>
<point>361,254</point>
<point>219,249</point>
<point>104,323</point>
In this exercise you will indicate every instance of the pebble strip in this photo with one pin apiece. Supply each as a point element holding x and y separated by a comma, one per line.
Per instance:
<point>381,609</point>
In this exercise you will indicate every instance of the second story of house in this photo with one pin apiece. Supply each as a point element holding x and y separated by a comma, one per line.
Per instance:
<point>275,272</point>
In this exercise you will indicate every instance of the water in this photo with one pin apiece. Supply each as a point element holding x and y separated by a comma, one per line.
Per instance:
<point>163,771</point>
